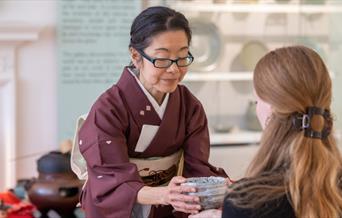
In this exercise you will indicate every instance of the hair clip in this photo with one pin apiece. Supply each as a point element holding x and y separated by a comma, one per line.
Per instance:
<point>302,121</point>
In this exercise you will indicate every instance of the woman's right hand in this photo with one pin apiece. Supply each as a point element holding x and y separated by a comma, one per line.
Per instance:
<point>173,194</point>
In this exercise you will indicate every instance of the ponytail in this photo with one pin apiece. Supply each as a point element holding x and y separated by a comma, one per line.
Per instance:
<point>314,177</point>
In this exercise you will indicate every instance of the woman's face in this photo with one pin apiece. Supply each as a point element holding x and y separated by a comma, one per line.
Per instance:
<point>263,111</point>
<point>171,45</point>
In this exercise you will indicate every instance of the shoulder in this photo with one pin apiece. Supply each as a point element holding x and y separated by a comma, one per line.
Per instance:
<point>109,110</point>
<point>231,211</point>
<point>110,102</point>
<point>109,98</point>
<point>193,109</point>
<point>246,199</point>
<point>279,207</point>
<point>186,93</point>
<point>237,190</point>
<point>188,97</point>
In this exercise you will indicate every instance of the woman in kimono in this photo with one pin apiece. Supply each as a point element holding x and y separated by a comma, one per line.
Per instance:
<point>297,171</point>
<point>147,128</point>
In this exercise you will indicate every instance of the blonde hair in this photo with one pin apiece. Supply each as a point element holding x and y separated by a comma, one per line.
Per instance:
<point>306,170</point>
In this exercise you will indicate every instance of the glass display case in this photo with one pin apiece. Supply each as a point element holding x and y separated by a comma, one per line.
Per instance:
<point>230,36</point>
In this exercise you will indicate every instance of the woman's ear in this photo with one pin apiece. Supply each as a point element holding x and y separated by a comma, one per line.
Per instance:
<point>135,57</point>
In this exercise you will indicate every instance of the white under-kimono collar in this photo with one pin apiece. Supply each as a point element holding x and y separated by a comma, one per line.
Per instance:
<point>160,109</point>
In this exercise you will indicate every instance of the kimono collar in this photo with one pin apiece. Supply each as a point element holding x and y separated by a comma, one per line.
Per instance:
<point>169,127</point>
<point>160,109</point>
<point>138,103</point>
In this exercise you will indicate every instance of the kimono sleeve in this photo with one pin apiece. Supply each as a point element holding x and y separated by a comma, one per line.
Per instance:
<point>197,145</point>
<point>113,182</point>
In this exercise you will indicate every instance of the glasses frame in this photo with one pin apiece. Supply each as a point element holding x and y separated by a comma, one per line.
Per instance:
<point>153,60</point>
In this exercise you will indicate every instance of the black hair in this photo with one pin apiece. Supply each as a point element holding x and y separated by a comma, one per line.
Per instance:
<point>154,20</point>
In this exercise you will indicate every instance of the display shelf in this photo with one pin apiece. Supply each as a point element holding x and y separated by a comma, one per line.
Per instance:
<point>278,37</point>
<point>218,76</point>
<point>241,137</point>
<point>257,8</point>
<point>223,76</point>
<point>249,137</point>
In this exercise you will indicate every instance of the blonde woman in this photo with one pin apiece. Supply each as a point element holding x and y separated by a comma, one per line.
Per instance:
<point>297,171</point>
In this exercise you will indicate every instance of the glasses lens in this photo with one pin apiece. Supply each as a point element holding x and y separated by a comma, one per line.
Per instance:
<point>162,63</point>
<point>183,62</point>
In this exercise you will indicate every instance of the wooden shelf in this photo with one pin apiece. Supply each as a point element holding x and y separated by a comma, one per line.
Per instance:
<point>258,8</point>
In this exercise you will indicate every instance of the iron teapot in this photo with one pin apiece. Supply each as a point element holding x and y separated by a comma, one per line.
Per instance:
<point>57,187</point>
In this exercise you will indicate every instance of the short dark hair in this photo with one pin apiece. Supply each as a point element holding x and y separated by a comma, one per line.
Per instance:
<point>154,20</point>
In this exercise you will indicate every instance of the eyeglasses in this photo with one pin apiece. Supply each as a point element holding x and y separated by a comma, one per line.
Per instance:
<point>166,63</point>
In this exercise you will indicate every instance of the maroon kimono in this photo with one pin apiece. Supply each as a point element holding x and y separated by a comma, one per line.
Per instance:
<point>110,133</point>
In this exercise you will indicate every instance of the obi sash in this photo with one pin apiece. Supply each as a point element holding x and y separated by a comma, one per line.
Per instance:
<point>158,171</point>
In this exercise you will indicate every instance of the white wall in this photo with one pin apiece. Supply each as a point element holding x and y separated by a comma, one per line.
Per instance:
<point>37,75</point>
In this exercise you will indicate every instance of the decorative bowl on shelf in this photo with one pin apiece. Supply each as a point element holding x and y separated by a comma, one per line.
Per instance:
<point>222,128</point>
<point>211,190</point>
<point>251,119</point>
<point>245,61</point>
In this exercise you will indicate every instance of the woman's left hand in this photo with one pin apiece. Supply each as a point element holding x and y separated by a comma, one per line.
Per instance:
<point>212,213</point>
<point>174,194</point>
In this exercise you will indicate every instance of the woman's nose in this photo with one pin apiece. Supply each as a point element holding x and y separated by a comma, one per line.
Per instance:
<point>173,68</point>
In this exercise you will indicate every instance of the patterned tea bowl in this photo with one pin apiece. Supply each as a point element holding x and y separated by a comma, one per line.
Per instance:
<point>211,190</point>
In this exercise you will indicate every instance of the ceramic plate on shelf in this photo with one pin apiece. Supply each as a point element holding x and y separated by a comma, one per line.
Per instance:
<point>221,127</point>
<point>206,45</point>
<point>251,53</point>
<point>242,87</point>
<point>245,61</point>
